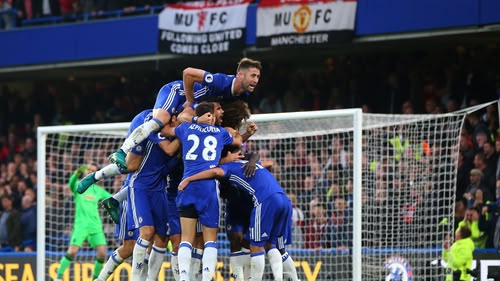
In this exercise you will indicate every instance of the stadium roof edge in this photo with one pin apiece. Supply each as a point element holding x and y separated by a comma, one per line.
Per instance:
<point>95,62</point>
<point>396,41</point>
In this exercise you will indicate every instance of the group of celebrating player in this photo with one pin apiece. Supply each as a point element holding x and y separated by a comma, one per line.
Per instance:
<point>175,196</point>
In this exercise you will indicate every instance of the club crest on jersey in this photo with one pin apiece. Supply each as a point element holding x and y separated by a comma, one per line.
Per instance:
<point>399,269</point>
<point>209,78</point>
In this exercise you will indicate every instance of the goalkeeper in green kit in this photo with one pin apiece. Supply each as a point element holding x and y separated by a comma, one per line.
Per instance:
<point>87,224</point>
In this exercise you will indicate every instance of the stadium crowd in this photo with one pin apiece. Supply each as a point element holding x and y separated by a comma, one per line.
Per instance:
<point>14,12</point>
<point>416,83</point>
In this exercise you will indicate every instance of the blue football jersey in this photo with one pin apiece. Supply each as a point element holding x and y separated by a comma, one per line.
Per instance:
<point>217,85</point>
<point>202,145</point>
<point>172,96</point>
<point>260,186</point>
<point>156,164</point>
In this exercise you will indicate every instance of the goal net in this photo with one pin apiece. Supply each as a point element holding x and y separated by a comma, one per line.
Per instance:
<point>368,191</point>
<point>369,216</point>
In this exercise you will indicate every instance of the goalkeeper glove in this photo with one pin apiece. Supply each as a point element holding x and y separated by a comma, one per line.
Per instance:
<point>81,170</point>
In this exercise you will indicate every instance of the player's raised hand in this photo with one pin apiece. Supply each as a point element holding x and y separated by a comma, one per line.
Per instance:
<point>207,118</point>
<point>249,169</point>
<point>81,170</point>
<point>252,128</point>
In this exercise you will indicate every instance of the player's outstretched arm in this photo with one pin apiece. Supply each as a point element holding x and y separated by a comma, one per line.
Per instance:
<point>237,139</point>
<point>191,75</point>
<point>170,147</point>
<point>186,116</point>
<point>133,162</point>
<point>207,174</point>
<point>77,174</point>
<point>168,131</point>
<point>251,165</point>
<point>231,157</point>
<point>251,130</point>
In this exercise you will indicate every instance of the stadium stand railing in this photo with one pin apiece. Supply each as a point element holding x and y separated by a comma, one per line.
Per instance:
<point>82,17</point>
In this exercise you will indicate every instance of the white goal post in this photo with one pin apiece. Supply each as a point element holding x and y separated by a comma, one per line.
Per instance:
<point>381,181</point>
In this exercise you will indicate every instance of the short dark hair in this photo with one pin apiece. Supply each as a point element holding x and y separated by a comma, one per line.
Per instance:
<point>203,108</point>
<point>229,148</point>
<point>246,63</point>
<point>234,114</point>
<point>7,196</point>
<point>94,163</point>
<point>464,231</point>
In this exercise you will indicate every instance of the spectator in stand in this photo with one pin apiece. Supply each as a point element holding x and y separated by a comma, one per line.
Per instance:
<point>13,145</point>
<point>490,154</point>
<point>31,193</point>
<point>491,118</point>
<point>487,222</point>
<point>25,9</point>
<point>478,201</point>
<point>69,8</point>
<point>37,122</point>
<point>488,177</point>
<point>475,186</point>
<point>338,235</point>
<point>339,229</point>
<point>10,227</point>
<point>4,149</point>
<point>108,5</point>
<point>460,209</point>
<point>47,8</point>
<point>394,94</point>
<point>315,230</point>
<point>307,194</point>
<point>7,18</point>
<point>431,106</point>
<point>298,221</point>
<point>335,190</point>
<point>330,175</point>
<point>481,139</point>
<point>28,222</point>
<point>471,221</point>
<point>19,191</point>
<point>466,146</point>
<point>87,7</point>
<point>476,126</point>
<point>314,163</point>
<point>465,163</point>
<point>452,105</point>
<point>408,107</point>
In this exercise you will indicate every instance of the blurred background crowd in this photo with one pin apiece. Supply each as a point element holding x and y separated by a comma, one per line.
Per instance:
<point>16,13</point>
<point>403,83</point>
